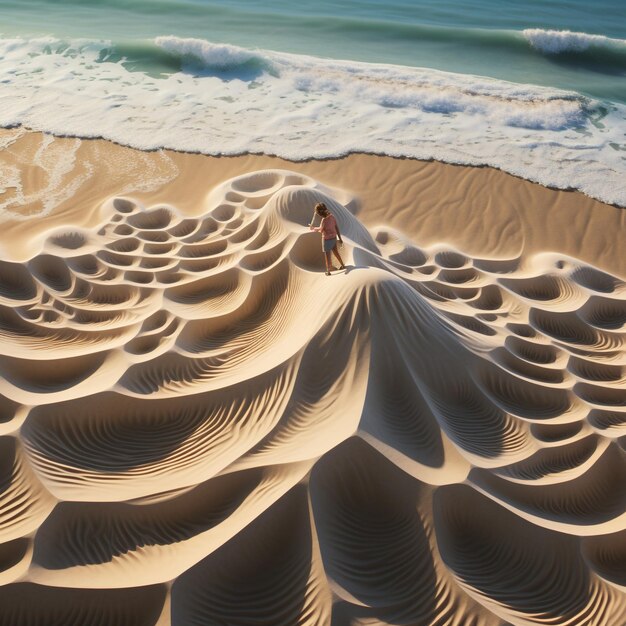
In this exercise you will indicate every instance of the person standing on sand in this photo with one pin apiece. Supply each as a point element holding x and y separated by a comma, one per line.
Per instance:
<point>330,234</point>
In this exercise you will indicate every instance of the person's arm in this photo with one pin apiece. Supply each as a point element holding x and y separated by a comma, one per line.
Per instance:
<point>318,229</point>
<point>338,232</point>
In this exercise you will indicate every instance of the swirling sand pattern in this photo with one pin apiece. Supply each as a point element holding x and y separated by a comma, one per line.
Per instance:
<point>198,427</point>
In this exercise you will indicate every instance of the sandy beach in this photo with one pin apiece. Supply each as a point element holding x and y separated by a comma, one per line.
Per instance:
<point>199,427</point>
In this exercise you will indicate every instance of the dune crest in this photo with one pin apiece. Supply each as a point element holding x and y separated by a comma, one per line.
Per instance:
<point>199,427</point>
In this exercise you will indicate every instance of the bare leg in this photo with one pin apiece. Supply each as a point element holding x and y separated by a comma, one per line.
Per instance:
<point>328,261</point>
<point>338,256</point>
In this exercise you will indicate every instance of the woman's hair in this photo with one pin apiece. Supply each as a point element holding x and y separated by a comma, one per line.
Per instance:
<point>321,209</point>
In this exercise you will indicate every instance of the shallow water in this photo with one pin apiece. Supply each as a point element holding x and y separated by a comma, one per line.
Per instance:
<point>534,88</point>
<point>482,37</point>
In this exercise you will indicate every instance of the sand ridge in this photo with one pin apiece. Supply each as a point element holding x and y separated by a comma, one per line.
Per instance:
<point>199,427</point>
<point>482,211</point>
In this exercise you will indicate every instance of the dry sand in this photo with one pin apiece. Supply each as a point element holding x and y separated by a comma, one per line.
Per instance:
<point>198,427</point>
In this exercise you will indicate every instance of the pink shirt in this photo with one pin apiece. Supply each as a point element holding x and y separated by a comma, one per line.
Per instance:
<point>328,227</point>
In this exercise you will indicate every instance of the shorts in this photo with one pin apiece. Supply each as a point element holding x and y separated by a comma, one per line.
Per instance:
<point>329,244</point>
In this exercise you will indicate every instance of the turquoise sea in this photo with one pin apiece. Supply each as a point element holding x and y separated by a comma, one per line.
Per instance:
<point>534,87</point>
<point>484,37</point>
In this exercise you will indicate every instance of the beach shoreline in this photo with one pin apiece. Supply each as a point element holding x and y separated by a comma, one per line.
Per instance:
<point>204,422</point>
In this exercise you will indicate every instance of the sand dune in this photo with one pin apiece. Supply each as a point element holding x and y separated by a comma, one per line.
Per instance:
<point>199,427</point>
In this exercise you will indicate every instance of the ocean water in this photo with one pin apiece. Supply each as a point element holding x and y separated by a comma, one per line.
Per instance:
<point>533,87</point>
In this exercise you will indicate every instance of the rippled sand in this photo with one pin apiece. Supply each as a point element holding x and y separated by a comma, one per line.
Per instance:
<point>199,427</point>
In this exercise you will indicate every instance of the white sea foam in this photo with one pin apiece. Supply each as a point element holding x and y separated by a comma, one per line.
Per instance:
<point>558,41</point>
<point>307,107</point>
<point>54,190</point>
